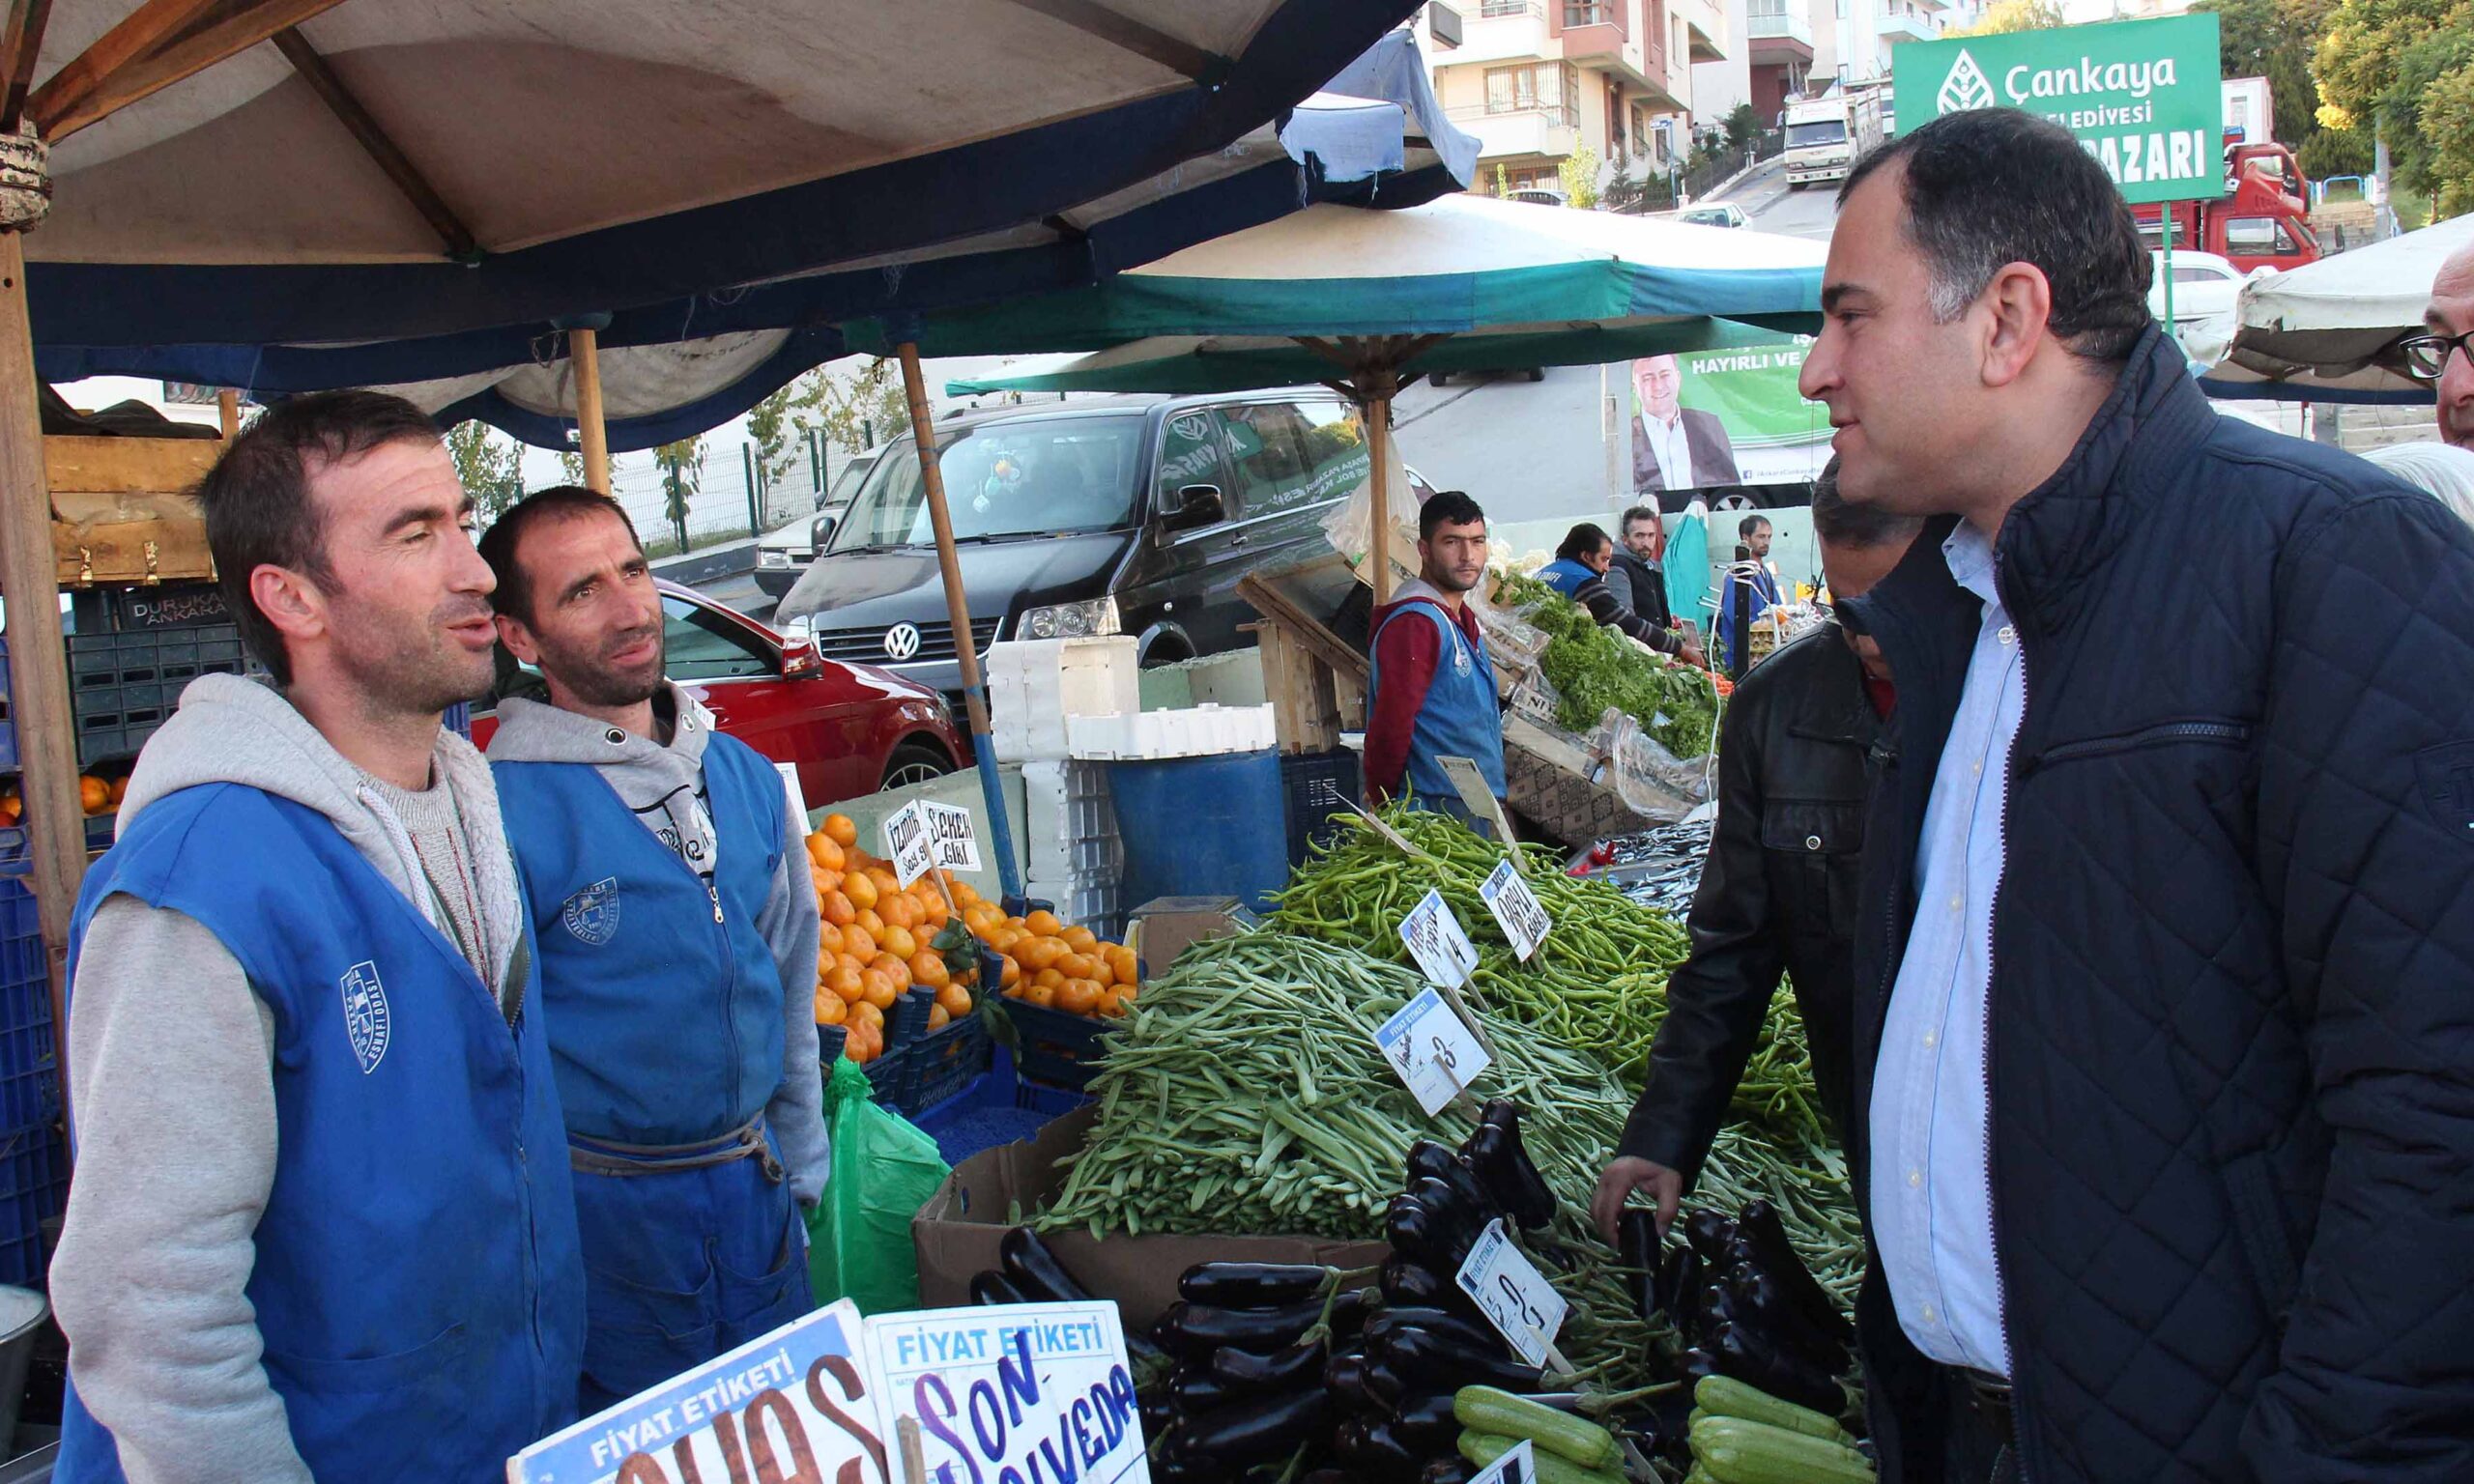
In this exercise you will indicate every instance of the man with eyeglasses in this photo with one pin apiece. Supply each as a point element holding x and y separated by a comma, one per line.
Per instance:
<point>2443,357</point>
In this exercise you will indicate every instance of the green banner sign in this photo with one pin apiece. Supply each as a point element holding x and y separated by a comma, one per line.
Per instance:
<point>1717,418</point>
<point>2143,95</point>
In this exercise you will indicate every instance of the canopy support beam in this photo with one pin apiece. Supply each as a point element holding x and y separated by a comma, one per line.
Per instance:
<point>18,46</point>
<point>38,663</point>
<point>399,167</point>
<point>593,433</point>
<point>1375,391</point>
<point>1127,34</point>
<point>158,44</point>
<point>982,742</point>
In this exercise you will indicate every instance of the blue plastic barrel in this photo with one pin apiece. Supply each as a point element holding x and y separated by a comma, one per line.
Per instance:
<point>1201,827</point>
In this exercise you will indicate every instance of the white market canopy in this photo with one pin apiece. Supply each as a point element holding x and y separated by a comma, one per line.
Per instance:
<point>2319,331</point>
<point>1461,283</point>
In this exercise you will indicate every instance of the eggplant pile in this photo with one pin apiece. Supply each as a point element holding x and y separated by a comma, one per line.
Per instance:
<point>1028,1272</point>
<point>1251,1342</point>
<point>1749,1309</point>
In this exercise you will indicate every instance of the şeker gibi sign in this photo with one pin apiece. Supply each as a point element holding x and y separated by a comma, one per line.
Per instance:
<point>2143,96</point>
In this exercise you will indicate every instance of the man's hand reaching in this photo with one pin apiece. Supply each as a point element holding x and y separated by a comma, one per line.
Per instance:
<point>1663,1186</point>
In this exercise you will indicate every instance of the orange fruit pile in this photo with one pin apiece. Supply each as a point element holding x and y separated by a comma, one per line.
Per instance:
<point>875,945</point>
<point>875,939</point>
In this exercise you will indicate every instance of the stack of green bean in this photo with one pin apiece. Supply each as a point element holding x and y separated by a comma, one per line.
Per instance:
<point>1245,1094</point>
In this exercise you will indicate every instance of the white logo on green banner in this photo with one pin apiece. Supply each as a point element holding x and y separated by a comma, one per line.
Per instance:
<point>1965,87</point>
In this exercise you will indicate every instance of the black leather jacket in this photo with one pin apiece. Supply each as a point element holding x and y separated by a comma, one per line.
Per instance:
<point>1778,895</point>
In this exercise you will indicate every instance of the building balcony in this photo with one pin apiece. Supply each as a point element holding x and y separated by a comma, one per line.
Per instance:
<point>1518,134</point>
<point>1706,21</point>
<point>1897,26</point>
<point>1777,30</point>
<point>1505,31</point>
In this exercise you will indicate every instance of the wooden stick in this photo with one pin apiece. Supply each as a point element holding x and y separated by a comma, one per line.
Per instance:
<point>583,354</point>
<point>227,410</point>
<point>38,664</point>
<point>914,1455</point>
<point>1378,441</point>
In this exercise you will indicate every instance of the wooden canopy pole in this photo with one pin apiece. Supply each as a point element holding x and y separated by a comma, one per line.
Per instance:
<point>227,412</point>
<point>1378,387</point>
<point>38,666</point>
<point>583,354</point>
<point>932,477</point>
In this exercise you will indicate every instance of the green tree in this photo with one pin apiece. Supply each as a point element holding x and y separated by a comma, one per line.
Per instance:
<point>847,411</point>
<point>769,425</point>
<point>2004,16</point>
<point>2406,70</point>
<point>682,474</point>
<point>1579,175</point>
<point>1744,125</point>
<point>2272,39</point>
<point>489,466</point>
<point>571,464</point>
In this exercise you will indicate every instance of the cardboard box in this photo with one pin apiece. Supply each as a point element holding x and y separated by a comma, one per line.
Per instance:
<point>1166,927</point>
<point>958,1231</point>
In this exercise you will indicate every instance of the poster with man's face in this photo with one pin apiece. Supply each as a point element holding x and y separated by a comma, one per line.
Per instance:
<point>1714,421</point>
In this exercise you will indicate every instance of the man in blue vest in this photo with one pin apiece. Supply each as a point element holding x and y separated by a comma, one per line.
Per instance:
<point>1433,686</point>
<point>320,1229</point>
<point>678,930</point>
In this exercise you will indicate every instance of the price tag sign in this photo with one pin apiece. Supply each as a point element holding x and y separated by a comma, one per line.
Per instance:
<point>956,839</point>
<point>1517,1466</point>
<point>1525,923</point>
<point>1438,944</point>
<point>1432,1051</point>
<point>793,794</point>
<point>907,843</point>
<point>1516,1300</point>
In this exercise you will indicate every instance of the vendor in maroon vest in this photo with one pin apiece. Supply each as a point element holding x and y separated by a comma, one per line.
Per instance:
<point>1434,691</point>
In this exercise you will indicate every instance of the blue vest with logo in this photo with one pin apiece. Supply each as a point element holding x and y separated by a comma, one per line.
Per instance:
<point>667,1000</point>
<point>1565,576</point>
<point>1461,717</point>
<point>417,1284</point>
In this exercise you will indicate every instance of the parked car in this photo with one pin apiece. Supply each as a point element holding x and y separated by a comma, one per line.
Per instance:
<point>2205,285</point>
<point>850,729</point>
<point>1715,214</point>
<point>1134,515</point>
<point>783,553</point>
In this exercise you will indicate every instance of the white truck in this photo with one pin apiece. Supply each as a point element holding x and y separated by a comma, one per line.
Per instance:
<point>1826,136</point>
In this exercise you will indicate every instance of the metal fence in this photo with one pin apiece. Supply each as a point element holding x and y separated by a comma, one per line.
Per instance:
<point>731,499</point>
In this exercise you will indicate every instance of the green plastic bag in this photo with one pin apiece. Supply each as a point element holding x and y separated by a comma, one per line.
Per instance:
<point>859,1244</point>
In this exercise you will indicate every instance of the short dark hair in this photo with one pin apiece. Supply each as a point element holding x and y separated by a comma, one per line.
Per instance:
<point>1446,506</point>
<point>1994,185</point>
<point>558,503</point>
<point>1856,528</point>
<point>256,498</point>
<point>1748,525</point>
<point>1640,513</point>
<point>1582,540</point>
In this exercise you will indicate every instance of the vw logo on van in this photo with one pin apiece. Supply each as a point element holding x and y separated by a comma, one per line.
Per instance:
<point>902,642</point>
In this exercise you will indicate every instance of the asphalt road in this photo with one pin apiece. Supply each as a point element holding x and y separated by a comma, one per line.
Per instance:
<point>1765,197</point>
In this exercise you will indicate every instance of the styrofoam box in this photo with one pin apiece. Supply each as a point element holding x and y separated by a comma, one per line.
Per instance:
<point>1034,685</point>
<point>1196,732</point>
<point>1095,904</point>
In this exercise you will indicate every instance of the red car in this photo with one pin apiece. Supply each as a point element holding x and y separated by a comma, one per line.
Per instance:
<point>853,729</point>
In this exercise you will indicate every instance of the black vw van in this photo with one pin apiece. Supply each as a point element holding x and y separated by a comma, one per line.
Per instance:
<point>1112,515</point>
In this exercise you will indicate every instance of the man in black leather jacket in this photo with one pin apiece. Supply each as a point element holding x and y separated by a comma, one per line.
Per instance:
<point>1779,893</point>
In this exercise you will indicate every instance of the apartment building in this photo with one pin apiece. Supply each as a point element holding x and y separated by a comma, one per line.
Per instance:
<point>1539,80</point>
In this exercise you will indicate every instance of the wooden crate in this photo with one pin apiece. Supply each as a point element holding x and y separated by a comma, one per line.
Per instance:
<point>122,508</point>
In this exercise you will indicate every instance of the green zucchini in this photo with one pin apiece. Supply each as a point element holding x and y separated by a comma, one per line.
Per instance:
<point>1697,1475</point>
<point>1487,1410</point>
<point>1727,1397</point>
<point>1735,1451</point>
<point>1483,1449</point>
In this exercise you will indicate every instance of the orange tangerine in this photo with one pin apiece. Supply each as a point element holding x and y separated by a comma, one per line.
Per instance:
<point>1043,995</point>
<point>858,942</point>
<point>1043,923</point>
<point>954,1000</point>
<point>860,887</point>
<point>1080,939</point>
<point>928,970</point>
<point>839,828</point>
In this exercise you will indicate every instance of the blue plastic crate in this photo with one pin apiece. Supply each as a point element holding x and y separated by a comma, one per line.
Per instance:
<point>944,1063</point>
<point>1052,1046</point>
<point>997,1108</point>
<point>29,1067</point>
<point>34,1185</point>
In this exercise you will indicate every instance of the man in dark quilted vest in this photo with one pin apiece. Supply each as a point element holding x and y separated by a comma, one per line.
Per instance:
<point>2165,1026</point>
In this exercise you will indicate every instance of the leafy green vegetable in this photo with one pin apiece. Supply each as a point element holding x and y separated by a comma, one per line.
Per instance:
<point>1593,667</point>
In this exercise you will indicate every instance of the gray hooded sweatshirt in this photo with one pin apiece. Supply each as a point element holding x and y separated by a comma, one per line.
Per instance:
<point>664,784</point>
<point>171,1076</point>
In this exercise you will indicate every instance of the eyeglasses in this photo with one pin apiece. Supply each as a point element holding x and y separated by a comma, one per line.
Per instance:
<point>2425,357</point>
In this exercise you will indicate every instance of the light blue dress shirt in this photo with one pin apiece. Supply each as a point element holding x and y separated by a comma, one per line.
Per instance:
<point>1931,1176</point>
